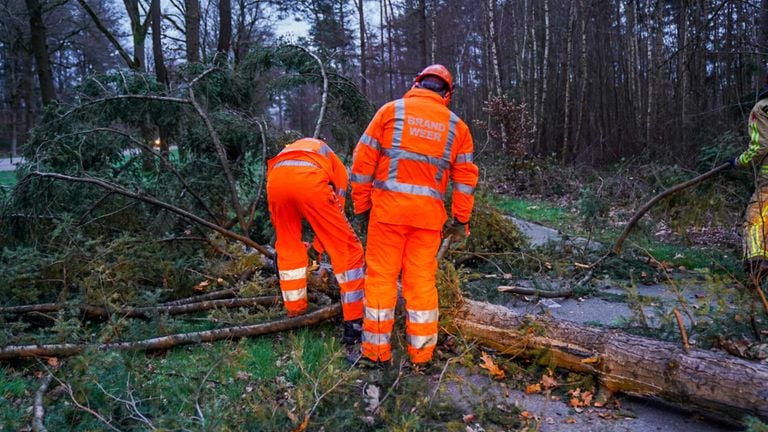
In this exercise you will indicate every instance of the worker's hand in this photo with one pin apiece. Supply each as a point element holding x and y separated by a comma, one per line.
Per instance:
<point>458,230</point>
<point>733,162</point>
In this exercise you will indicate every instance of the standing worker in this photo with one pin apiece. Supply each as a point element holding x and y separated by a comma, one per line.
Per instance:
<point>308,181</point>
<point>400,172</point>
<point>755,229</point>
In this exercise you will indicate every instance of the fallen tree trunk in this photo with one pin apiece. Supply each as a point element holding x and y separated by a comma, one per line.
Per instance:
<point>715,384</point>
<point>164,342</point>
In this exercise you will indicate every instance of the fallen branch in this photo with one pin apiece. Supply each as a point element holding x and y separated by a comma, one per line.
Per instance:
<point>165,342</point>
<point>154,201</point>
<point>712,383</point>
<point>616,249</point>
<point>535,292</point>
<point>38,425</point>
<point>143,312</point>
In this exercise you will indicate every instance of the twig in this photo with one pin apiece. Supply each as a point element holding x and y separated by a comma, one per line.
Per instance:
<point>393,386</point>
<point>200,390</point>
<point>440,380</point>
<point>325,89</point>
<point>681,326</point>
<point>535,292</point>
<point>38,424</point>
<point>82,407</point>
<point>132,404</point>
<point>318,398</point>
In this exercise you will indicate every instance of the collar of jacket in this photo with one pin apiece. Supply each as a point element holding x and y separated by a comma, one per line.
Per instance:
<point>424,93</point>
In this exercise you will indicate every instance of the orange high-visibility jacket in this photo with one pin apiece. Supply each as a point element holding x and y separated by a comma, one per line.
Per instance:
<point>404,160</point>
<point>317,152</point>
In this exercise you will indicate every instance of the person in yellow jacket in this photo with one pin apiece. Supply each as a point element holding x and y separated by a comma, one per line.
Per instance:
<point>755,158</point>
<point>307,181</point>
<point>402,164</point>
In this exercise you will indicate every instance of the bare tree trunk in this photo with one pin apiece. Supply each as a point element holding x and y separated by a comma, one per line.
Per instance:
<point>139,30</point>
<point>584,76</point>
<point>423,36</point>
<point>192,35</point>
<point>544,74</point>
<point>225,28</point>
<point>717,384</point>
<point>363,46</point>
<point>39,49</point>
<point>157,44</point>
<point>565,150</point>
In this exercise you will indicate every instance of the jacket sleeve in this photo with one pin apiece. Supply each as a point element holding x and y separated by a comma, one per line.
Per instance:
<point>464,174</point>
<point>339,178</point>
<point>758,137</point>
<point>364,161</point>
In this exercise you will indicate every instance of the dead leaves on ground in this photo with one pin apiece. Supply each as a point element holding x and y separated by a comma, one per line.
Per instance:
<point>488,364</point>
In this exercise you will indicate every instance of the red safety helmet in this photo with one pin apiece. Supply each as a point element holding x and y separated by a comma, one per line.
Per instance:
<point>441,72</point>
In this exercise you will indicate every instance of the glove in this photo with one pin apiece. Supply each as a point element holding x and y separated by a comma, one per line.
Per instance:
<point>733,162</point>
<point>457,230</point>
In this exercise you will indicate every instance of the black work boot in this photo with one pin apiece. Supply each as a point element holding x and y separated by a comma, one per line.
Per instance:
<point>353,331</point>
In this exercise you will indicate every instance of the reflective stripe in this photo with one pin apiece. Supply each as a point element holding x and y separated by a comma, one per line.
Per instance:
<point>395,186</point>
<point>294,295</point>
<point>360,178</point>
<point>452,122</point>
<point>405,154</point>
<point>376,338</point>
<point>461,187</point>
<point>422,341</point>
<point>422,316</point>
<point>350,275</point>
<point>296,163</point>
<point>370,142</point>
<point>397,133</point>
<point>377,315</point>
<point>464,157</point>
<point>325,150</point>
<point>352,296</point>
<point>341,192</point>
<point>295,274</point>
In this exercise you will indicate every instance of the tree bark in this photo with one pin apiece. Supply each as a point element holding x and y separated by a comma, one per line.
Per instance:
<point>192,31</point>
<point>157,48</point>
<point>39,49</point>
<point>225,28</point>
<point>713,383</point>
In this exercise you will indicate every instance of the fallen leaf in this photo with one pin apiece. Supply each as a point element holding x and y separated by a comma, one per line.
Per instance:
<point>548,381</point>
<point>533,388</point>
<point>525,415</point>
<point>586,397</point>
<point>490,366</point>
<point>53,362</point>
<point>468,418</point>
<point>574,402</point>
<point>570,420</point>
<point>591,360</point>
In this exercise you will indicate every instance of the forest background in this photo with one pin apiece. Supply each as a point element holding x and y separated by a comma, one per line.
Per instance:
<point>143,128</point>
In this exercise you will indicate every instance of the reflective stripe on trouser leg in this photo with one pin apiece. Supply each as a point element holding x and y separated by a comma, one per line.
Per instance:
<point>755,229</point>
<point>284,200</point>
<point>420,293</point>
<point>383,258</point>
<point>322,209</point>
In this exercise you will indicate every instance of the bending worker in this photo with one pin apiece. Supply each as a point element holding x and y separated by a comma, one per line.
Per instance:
<point>306,180</point>
<point>400,172</point>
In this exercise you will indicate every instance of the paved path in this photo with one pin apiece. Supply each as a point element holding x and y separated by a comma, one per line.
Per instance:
<point>6,165</point>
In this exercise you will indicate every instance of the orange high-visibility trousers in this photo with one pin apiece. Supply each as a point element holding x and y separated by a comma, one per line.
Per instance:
<point>302,192</point>
<point>756,225</point>
<point>392,249</point>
